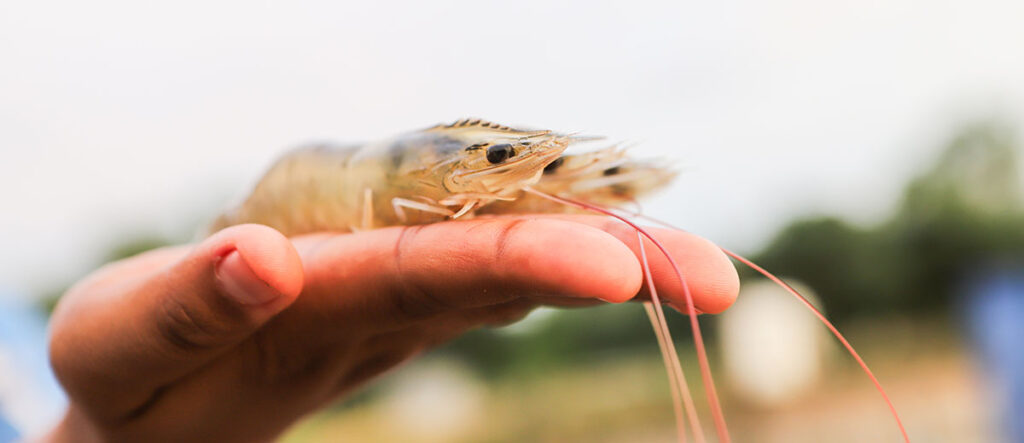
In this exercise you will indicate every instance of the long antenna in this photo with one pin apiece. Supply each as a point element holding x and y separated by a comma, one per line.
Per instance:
<point>824,320</point>
<point>677,381</point>
<point>705,368</point>
<point>832,328</point>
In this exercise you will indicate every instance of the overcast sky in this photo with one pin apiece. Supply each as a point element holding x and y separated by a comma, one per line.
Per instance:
<point>123,118</point>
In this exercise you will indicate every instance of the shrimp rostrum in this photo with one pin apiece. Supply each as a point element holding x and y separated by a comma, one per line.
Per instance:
<point>471,167</point>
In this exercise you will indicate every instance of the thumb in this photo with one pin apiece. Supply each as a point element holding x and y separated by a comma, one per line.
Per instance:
<point>221,292</point>
<point>150,320</point>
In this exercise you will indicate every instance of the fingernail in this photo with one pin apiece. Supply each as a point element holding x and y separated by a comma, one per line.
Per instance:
<point>241,284</point>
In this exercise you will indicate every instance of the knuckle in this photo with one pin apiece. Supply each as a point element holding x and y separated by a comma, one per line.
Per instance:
<point>413,303</point>
<point>487,252</point>
<point>188,328</point>
<point>290,365</point>
<point>411,300</point>
<point>506,233</point>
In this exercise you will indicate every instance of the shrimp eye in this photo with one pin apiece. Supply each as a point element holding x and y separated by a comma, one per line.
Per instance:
<point>499,153</point>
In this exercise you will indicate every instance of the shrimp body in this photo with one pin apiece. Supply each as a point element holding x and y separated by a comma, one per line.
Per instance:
<point>443,172</point>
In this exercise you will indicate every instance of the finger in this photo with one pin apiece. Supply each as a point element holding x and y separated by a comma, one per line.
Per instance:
<point>397,275</point>
<point>565,302</point>
<point>169,321</point>
<point>710,275</point>
<point>502,314</point>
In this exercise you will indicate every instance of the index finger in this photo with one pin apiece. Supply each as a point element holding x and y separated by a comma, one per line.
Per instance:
<point>415,272</point>
<point>710,275</point>
<point>408,273</point>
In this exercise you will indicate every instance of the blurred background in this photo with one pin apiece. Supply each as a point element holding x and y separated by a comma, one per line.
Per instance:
<point>870,151</point>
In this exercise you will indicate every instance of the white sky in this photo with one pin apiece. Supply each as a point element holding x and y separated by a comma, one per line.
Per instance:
<point>119,118</point>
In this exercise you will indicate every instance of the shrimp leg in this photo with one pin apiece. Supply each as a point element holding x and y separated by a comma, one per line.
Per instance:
<point>367,223</point>
<point>399,203</point>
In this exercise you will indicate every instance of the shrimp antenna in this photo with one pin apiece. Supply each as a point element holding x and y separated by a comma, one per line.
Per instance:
<point>846,344</point>
<point>673,368</point>
<point>677,381</point>
<point>705,369</point>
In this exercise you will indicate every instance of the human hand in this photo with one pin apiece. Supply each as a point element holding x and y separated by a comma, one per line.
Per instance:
<point>237,337</point>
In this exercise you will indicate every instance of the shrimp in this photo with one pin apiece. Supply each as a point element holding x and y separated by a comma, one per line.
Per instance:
<point>442,172</point>
<point>473,166</point>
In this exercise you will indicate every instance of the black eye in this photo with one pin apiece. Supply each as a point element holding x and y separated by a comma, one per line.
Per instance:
<point>611,171</point>
<point>499,153</point>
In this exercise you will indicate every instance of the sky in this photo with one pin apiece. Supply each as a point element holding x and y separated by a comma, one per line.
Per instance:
<point>122,119</point>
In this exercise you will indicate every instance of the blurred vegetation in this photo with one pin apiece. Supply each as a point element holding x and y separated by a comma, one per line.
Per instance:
<point>963,212</point>
<point>564,337</point>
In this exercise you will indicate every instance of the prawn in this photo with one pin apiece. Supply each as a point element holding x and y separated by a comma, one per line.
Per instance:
<point>443,172</point>
<point>470,167</point>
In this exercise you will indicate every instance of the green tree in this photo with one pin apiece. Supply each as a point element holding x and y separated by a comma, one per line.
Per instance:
<point>962,212</point>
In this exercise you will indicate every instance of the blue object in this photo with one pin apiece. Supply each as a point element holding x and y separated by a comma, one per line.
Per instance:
<point>7,432</point>
<point>31,400</point>
<point>994,305</point>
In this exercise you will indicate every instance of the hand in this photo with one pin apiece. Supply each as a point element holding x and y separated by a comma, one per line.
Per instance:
<point>239,336</point>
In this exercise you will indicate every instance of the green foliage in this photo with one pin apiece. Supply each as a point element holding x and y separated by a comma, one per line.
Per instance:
<point>850,267</point>
<point>962,213</point>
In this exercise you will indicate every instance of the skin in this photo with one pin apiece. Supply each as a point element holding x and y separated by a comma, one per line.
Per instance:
<point>239,336</point>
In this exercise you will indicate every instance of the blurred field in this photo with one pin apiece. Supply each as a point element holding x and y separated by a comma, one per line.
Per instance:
<point>625,398</point>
